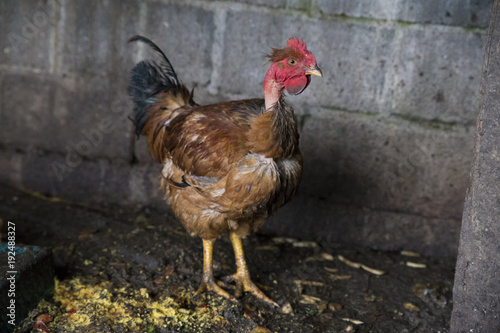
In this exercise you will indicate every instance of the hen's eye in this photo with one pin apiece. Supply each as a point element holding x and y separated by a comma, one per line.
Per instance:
<point>292,62</point>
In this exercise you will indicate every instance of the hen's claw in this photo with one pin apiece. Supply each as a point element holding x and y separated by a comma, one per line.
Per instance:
<point>243,283</point>
<point>211,285</point>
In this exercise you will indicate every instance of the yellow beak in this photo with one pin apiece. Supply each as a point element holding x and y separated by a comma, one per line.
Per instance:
<point>314,71</point>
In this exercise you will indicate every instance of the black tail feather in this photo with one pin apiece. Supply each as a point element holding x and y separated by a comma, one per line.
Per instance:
<point>148,79</point>
<point>165,64</point>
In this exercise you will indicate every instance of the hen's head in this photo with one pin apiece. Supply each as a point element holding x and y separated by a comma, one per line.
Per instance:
<point>293,66</point>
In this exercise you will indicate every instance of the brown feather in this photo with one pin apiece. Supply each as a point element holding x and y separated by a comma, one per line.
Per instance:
<point>287,52</point>
<point>283,137</point>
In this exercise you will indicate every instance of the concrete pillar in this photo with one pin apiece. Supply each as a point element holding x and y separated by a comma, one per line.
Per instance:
<point>476,293</point>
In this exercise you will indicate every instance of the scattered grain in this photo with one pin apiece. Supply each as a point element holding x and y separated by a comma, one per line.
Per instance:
<point>411,307</point>
<point>373,270</point>
<point>410,254</point>
<point>415,265</point>
<point>334,307</point>
<point>354,321</point>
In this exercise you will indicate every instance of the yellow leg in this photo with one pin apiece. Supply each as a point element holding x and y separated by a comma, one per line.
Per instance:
<point>242,276</point>
<point>208,281</point>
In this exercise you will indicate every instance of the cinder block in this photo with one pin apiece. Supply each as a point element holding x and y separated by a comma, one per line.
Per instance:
<point>93,37</point>
<point>386,164</point>
<point>101,182</point>
<point>86,116</point>
<point>463,13</point>
<point>450,12</point>
<point>26,106</point>
<point>144,186</point>
<point>94,112</point>
<point>269,3</point>
<point>334,224</point>
<point>185,34</point>
<point>27,29</point>
<point>30,280</point>
<point>435,74</point>
<point>243,58</point>
<point>376,9</point>
<point>11,168</point>
<point>141,151</point>
<point>355,58</point>
<point>95,181</point>
<point>298,4</point>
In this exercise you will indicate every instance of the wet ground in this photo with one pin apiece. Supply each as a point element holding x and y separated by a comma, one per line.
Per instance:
<point>136,270</point>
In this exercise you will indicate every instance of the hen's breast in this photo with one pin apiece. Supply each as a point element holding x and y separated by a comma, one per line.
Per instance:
<point>257,186</point>
<point>253,189</point>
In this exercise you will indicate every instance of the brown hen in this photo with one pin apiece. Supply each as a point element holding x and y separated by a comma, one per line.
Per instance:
<point>226,166</point>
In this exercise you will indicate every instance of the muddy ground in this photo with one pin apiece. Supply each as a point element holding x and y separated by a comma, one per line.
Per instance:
<point>135,270</point>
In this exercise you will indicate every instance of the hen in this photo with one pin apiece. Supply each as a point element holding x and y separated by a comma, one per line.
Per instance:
<point>226,166</point>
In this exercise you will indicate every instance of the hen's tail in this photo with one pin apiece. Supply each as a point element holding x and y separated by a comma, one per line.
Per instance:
<point>155,84</point>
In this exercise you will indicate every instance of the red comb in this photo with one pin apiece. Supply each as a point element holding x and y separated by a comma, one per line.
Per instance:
<point>296,43</point>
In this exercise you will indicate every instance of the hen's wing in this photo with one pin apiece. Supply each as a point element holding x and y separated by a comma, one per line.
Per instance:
<point>206,141</point>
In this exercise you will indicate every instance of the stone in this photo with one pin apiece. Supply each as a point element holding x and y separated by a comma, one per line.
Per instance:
<point>27,282</point>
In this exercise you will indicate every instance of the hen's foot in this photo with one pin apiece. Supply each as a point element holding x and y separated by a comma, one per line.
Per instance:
<point>211,285</point>
<point>243,283</point>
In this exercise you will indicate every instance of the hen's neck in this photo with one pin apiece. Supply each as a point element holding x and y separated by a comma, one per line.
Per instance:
<point>273,91</point>
<point>274,133</point>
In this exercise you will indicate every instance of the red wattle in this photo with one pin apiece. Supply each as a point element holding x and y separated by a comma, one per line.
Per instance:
<point>297,84</point>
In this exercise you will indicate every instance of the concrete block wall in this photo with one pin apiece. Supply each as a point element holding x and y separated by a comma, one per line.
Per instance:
<point>386,133</point>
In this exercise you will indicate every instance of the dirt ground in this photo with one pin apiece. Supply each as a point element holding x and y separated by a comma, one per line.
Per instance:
<point>136,270</point>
